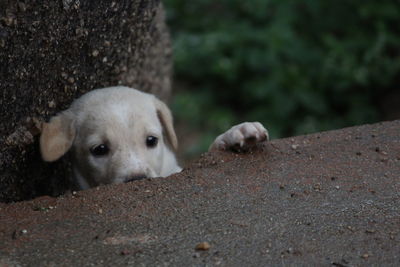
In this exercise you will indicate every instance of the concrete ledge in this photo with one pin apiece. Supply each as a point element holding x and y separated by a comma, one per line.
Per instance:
<point>330,198</point>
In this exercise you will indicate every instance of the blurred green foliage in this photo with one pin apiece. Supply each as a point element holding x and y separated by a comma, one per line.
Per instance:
<point>297,66</point>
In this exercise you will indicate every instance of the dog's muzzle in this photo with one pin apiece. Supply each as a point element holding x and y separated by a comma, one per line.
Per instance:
<point>135,178</point>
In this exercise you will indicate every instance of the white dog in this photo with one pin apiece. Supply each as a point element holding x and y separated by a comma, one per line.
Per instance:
<point>119,134</point>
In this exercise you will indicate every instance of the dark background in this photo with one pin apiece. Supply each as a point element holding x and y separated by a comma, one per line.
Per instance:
<point>296,66</point>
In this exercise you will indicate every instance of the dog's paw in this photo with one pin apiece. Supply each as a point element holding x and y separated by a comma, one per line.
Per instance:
<point>241,137</point>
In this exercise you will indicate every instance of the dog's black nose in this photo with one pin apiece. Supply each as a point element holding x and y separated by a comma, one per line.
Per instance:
<point>135,178</point>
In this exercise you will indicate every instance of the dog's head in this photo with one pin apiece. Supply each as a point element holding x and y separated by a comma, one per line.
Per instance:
<point>115,135</point>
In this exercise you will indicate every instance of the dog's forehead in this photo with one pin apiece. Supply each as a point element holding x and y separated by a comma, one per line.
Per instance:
<point>110,97</point>
<point>120,109</point>
<point>128,114</point>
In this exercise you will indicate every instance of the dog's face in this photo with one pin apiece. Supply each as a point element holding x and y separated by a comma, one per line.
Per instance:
<point>115,135</point>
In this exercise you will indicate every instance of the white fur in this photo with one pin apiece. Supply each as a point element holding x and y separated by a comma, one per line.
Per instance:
<point>122,118</point>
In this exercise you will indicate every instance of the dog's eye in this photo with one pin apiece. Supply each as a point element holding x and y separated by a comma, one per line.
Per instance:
<point>151,141</point>
<point>99,150</point>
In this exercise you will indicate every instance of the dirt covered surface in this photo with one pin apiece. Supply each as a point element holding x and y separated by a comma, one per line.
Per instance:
<point>328,199</point>
<point>52,52</point>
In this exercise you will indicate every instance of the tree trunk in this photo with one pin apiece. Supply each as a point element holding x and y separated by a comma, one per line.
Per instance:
<point>51,52</point>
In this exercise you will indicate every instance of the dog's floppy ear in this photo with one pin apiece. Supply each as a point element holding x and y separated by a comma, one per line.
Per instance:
<point>165,117</point>
<point>57,137</point>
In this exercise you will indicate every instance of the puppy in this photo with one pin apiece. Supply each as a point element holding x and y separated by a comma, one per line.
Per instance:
<point>119,134</point>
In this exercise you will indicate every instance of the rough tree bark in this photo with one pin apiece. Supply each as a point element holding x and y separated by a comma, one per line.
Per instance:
<point>54,51</point>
